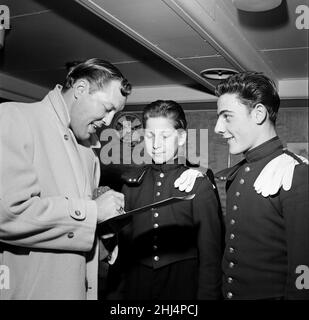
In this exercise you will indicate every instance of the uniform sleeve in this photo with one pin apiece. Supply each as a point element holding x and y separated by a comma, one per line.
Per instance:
<point>295,210</point>
<point>26,219</point>
<point>207,215</point>
<point>126,191</point>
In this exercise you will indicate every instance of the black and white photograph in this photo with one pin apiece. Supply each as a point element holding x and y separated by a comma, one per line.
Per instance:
<point>154,153</point>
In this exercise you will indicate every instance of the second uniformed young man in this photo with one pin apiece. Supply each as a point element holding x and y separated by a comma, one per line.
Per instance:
<point>267,220</point>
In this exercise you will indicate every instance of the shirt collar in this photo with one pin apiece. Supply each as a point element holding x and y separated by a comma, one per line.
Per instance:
<point>56,98</point>
<point>265,149</point>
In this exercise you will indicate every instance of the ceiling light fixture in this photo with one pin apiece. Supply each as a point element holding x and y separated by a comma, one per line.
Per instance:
<point>256,5</point>
<point>217,73</point>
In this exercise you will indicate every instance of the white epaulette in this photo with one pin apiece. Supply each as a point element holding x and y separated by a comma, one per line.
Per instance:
<point>278,173</point>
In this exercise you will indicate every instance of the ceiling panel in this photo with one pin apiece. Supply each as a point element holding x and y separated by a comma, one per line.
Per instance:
<point>155,73</point>
<point>289,64</point>
<point>152,73</point>
<point>38,46</point>
<point>90,36</point>
<point>160,25</point>
<point>270,29</point>
<point>22,7</point>
<point>46,34</point>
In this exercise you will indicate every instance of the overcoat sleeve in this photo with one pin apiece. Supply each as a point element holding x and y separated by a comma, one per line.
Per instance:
<point>26,219</point>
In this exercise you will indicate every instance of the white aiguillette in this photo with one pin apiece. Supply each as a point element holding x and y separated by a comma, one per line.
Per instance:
<point>115,224</point>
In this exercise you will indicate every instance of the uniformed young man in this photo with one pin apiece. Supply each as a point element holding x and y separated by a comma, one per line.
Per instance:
<point>267,220</point>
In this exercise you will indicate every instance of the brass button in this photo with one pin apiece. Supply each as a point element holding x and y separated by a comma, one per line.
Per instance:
<point>155,247</point>
<point>156,258</point>
<point>235,207</point>
<point>156,226</point>
<point>230,280</point>
<point>158,193</point>
<point>229,295</point>
<point>77,212</point>
<point>237,194</point>
<point>232,236</point>
<point>66,137</point>
<point>231,250</point>
<point>156,214</point>
<point>159,183</point>
<point>232,221</point>
<point>161,175</point>
<point>130,180</point>
<point>231,265</point>
<point>247,169</point>
<point>70,235</point>
<point>241,181</point>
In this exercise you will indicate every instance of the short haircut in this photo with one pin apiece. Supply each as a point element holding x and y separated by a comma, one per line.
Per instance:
<point>167,109</point>
<point>252,88</point>
<point>98,72</point>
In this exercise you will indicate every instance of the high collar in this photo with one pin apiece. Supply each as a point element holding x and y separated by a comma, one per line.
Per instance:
<point>264,150</point>
<point>168,166</point>
<point>56,99</point>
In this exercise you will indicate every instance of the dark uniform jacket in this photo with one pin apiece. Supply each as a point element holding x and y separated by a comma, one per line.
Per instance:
<point>172,233</point>
<point>267,238</point>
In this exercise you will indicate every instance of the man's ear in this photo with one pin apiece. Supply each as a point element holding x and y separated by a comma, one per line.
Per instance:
<point>259,113</point>
<point>182,137</point>
<point>80,87</point>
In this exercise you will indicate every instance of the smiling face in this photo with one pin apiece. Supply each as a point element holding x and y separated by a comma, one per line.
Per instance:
<point>162,140</point>
<point>237,124</point>
<point>90,111</point>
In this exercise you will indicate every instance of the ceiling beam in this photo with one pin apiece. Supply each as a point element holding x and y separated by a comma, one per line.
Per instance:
<point>144,95</point>
<point>15,89</point>
<point>293,89</point>
<point>213,24</point>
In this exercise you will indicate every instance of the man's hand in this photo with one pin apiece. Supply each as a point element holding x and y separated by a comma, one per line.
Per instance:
<point>187,179</point>
<point>110,204</point>
<point>276,174</point>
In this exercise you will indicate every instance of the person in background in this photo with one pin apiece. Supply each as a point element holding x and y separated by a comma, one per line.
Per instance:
<point>267,220</point>
<point>174,251</point>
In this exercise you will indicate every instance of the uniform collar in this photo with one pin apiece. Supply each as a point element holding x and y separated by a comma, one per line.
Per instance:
<point>168,166</point>
<point>264,150</point>
<point>56,99</point>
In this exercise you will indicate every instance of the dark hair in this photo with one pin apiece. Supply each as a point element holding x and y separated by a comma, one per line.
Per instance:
<point>168,109</point>
<point>252,88</point>
<point>98,72</point>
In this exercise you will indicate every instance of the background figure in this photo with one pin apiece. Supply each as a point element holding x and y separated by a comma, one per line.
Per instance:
<point>48,171</point>
<point>172,252</point>
<point>267,221</point>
